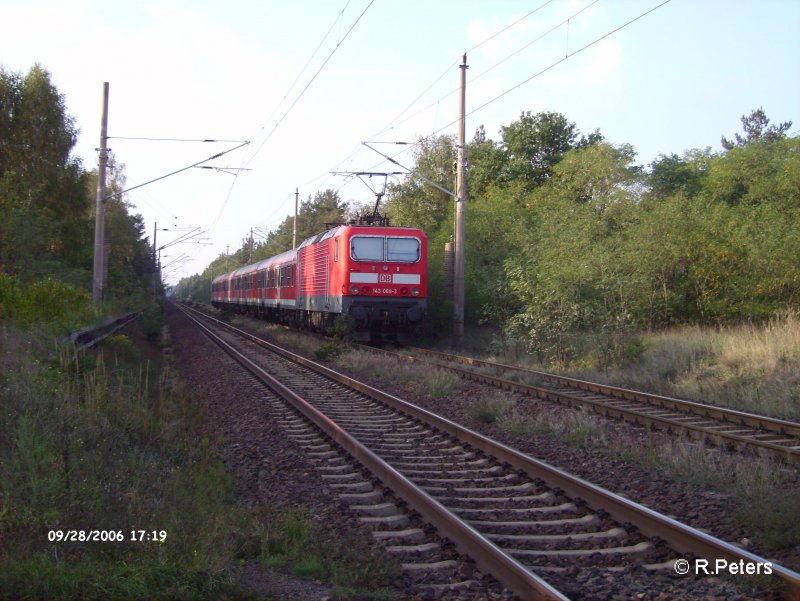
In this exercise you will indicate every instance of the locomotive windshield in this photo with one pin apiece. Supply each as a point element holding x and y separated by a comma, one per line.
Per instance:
<point>380,248</point>
<point>402,249</point>
<point>367,248</point>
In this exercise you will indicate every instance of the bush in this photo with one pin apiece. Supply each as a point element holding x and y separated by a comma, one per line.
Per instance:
<point>47,301</point>
<point>152,320</point>
<point>328,351</point>
<point>9,296</point>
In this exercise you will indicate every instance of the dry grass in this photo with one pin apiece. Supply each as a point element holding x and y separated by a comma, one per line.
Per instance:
<point>420,378</point>
<point>768,492</point>
<point>576,428</point>
<point>493,408</point>
<point>749,367</point>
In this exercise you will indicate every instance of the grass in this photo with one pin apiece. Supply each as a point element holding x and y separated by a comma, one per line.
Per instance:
<point>102,443</point>
<point>113,441</point>
<point>768,492</point>
<point>492,408</point>
<point>295,540</point>
<point>576,428</point>
<point>419,378</point>
<point>749,367</point>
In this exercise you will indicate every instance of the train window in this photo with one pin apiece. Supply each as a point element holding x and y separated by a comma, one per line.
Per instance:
<point>367,248</point>
<point>402,249</point>
<point>286,276</point>
<point>336,250</point>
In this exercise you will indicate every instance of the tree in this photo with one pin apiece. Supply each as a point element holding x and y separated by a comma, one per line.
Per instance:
<point>673,174</point>
<point>533,145</point>
<point>313,216</point>
<point>43,203</point>
<point>485,160</point>
<point>415,202</point>
<point>757,129</point>
<point>568,273</point>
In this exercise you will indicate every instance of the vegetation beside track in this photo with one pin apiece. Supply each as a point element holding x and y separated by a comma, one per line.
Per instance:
<point>754,368</point>
<point>109,442</point>
<point>113,440</point>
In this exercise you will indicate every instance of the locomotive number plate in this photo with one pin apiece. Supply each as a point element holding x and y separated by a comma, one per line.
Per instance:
<point>384,291</point>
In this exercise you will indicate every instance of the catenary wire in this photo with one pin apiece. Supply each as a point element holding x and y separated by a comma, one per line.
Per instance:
<point>289,110</point>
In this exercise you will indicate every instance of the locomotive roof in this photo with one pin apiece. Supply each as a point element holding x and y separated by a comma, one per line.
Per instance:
<point>383,229</point>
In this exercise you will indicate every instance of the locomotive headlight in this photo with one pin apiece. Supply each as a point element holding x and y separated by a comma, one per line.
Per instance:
<point>415,292</point>
<point>353,289</point>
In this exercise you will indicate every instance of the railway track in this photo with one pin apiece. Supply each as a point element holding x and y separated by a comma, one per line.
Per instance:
<point>540,531</point>
<point>724,427</point>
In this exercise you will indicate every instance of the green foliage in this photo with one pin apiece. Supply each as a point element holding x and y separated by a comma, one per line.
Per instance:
<point>415,203</point>
<point>293,539</point>
<point>46,199</point>
<point>328,351</point>
<point>533,145</point>
<point>757,129</point>
<point>90,448</point>
<point>439,383</point>
<point>152,321</point>
<point>51,302</point>
<point>43,201</point>
<point>9,296</point>
<point>605,248</point>
<point>490,410</point>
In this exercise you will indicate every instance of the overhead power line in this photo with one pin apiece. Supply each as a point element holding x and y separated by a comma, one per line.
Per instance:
<point>211,158</point>
<point>491,68</point>
<point>449,67</point>
<point>296,100</point>
<point>308,62</point>
<point>171,139</point>
<point>303,91</point>
<point>567,56</point>
<point>394,122</point>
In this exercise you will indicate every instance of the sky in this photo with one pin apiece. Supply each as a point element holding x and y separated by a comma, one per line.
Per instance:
<point>307,82</point>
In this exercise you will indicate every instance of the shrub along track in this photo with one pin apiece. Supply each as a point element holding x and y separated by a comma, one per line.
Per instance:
<point>724,427</point>
<point>514,516</point>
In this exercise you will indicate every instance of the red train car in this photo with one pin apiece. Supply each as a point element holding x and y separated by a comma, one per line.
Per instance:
<point>376,275</point>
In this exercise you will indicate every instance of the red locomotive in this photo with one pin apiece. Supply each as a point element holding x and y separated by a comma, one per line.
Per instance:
<point>375,274</point>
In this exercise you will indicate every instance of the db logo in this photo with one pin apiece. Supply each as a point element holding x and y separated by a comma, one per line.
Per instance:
<point>385,278</point>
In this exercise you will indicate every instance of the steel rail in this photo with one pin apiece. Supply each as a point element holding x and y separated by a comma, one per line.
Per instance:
<point>689,408</point>
<point>91,335</point>
<point>488,556</point>
<point>779,426</point>
<point>681,537</point>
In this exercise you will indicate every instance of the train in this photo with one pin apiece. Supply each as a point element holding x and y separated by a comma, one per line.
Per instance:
<point>374,273</point>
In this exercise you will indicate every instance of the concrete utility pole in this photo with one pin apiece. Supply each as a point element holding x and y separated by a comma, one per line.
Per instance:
<point>100,212</point>
<point>155,271</point>
<point>461,194</point>
<point>294,227</point>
